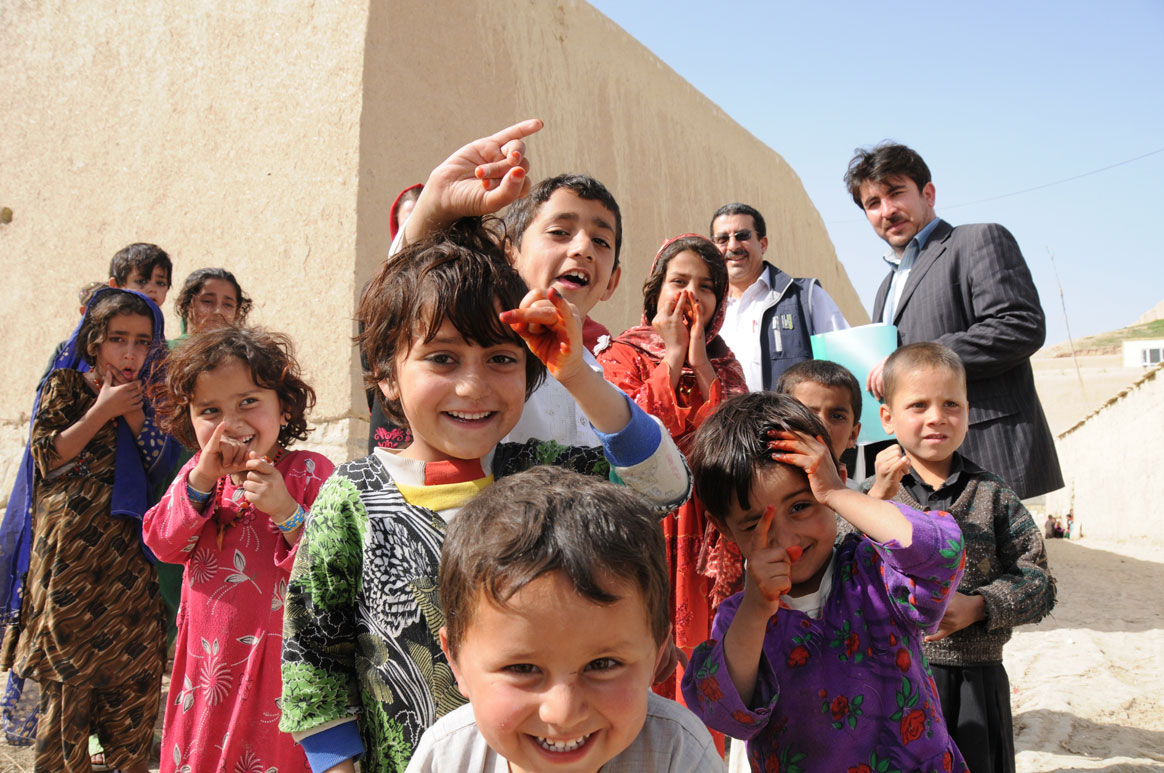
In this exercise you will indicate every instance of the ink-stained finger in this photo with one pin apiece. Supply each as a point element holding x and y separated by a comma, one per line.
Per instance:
<point>764,527</point>
<point>518,131</point>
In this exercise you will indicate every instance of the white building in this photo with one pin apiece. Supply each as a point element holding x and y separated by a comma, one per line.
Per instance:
<point>1143,353</point>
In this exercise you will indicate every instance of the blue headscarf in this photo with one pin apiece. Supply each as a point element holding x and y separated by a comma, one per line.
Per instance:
<point>132,481</point>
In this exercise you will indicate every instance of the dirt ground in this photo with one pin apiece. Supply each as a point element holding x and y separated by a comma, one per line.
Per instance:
<point>1088,682</point>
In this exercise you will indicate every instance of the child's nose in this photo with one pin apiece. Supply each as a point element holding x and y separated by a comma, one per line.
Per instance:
<point>563,706</point>
<point>582,245</point>
<point>472,383</point>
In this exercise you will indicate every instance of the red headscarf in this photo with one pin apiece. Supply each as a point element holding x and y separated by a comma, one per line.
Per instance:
<point>393,221</point>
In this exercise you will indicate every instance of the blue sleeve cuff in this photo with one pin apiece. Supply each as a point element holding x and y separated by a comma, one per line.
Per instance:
<point>635,442</point>
<point>330,747</point>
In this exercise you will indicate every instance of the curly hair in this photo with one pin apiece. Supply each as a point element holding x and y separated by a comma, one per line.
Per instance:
<point>459,275</point>
<point>272,362</point>
<point>198,279</point>
<point>108,305</point>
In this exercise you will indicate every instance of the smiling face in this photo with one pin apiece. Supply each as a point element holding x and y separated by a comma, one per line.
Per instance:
<point>558,682</point>
<point>687,271</point>
<point>929,414</point>
<point>896,209</point>
<point>215,305</point>
<point>744,257</point>
<point>799,520</point>
<point>228,394</point>
<point>128,338</point>
<point>155,286</point>
<point>834,406</point>
<point>460,398</point>
<point>569,245</point>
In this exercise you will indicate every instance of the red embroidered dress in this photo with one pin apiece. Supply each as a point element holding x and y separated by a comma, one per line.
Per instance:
<point>223,709</point>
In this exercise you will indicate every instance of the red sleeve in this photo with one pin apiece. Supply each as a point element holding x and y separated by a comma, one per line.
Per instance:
<point>648,383</point>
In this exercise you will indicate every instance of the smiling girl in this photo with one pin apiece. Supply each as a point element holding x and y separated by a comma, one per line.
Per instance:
<point>89,623</point>
<point>233,517</point>
<point>677,368</point>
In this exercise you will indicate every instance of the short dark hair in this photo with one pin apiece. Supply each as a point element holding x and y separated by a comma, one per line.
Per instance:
<point>736,208</point>
<point>522,212</point>
<point>460,275</point>
<point>922,354</point>
<point>548,519</point>
<point>885,160</point>
<point>144,257</point>
<point>825,373</point>
<point>198,279</point>
<point>269,355</point>
<point>85,294</point>
<point>706,251</point>
<point>732,445</point>
<point>109,304</point>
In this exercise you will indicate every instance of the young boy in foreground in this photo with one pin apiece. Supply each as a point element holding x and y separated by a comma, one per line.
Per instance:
<point>554,589</point>
<point>1006,583</point>
<point>817,663</point>
<point>564,234</point>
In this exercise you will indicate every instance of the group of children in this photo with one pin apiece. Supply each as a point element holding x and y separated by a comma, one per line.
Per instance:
<point>331,618</point>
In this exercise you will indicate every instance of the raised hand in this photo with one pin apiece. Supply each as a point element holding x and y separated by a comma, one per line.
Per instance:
<point>875,382</point>
<point>769,568</point>
<point>890,466</point>
<point>810,454</point>
<point>480,178</point>
<point>264,488</point>
<point>220,456</point>
<point>550,327</point>
<point>118,396</point>
<point>670,323</point>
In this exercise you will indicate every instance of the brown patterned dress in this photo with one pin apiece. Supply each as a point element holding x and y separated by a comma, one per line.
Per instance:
<point>91,617</point>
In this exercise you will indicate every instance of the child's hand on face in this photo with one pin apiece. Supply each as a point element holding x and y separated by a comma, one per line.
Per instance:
<point>696,334</point>
<point>266,490</point>
<point>220,456</point>
<point>769,568</point>
<point>811,455</point>
<point>550,327</point>
<point>670,323</point>
<point>890,466</point>
<point>118,396</point>
<point>482,177</point>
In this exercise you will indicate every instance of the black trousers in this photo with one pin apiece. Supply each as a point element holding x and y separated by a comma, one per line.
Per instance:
<point>976,705</point>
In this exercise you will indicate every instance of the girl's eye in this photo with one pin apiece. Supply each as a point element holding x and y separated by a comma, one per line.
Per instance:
<point>602,664</point>
<point>249,401</point>
<point>439,359</point>
<point>503,359</point>
<point>799,507</point>
<point>208,412</point>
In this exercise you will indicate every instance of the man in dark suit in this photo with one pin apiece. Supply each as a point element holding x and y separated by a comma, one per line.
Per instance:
<point>966,287</point>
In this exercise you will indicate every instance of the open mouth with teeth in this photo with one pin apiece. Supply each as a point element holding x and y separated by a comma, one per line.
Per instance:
<point>470,417</point>
<point>562,747</point>
<point>574,279</point>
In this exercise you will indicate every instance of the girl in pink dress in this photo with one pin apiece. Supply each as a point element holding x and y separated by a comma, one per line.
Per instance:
<point>233,517</point>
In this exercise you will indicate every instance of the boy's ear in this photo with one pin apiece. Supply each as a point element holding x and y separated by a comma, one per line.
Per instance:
<point>510,250</point>
<point>856,433</point>
<point>612,285</point>
<point>443,634</point>
<point>389,389</point>
<point>887,419</point>
<point>113,282</point>
<point>719,524</point>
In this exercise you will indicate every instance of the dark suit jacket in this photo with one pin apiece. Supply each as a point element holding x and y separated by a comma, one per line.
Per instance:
<point>971,290</point>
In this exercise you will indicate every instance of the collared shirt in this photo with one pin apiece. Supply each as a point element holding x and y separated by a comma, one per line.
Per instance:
<point>944,496</point>
<point>743,315</point>
<point>901,268</point>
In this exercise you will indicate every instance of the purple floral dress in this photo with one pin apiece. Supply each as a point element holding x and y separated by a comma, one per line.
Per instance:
<point>850,691</point>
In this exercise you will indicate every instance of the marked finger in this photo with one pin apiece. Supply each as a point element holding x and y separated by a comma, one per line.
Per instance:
<point>764,527</point>
<point>794,553</point>
<point>517,131</point>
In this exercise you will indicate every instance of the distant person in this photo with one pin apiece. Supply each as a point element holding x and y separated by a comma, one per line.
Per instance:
<point>143,267</point>
<point>1006,582</point>
<point>210,298</point>
<point>1049,527</point>
<point>564,574</point>
<point>770,315</point>
<point>968,288</point>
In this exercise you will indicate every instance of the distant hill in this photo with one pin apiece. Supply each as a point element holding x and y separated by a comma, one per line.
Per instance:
<point>1106,343</point>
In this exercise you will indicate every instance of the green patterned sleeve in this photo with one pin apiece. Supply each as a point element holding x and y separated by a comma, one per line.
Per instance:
<point>320,681</point>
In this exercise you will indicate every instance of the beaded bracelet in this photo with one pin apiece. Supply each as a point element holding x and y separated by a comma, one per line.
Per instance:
<point>294,522</point>
<point>197,497</point>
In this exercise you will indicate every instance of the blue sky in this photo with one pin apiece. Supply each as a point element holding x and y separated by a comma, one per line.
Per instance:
<point>998,97</point>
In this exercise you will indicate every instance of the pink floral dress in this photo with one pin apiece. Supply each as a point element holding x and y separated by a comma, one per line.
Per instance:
<point>223,708</point>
